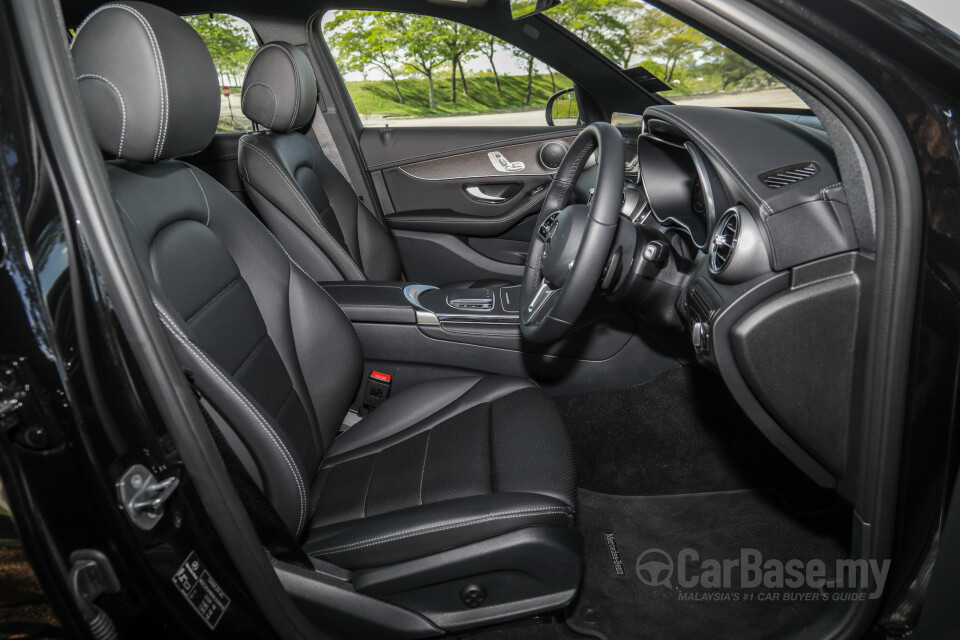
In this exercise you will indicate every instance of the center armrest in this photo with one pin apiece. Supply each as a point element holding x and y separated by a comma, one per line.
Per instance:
<point>379,302</point>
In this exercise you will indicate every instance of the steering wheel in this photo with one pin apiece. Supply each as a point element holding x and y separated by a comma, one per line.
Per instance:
<point>570,246</point>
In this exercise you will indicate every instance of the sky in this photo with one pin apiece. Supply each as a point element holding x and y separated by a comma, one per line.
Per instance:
<point>946,12</point>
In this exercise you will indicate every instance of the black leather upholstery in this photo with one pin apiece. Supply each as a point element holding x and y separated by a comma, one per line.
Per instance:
<point>149,88</point>
<point>381,302</point>
<point>313,211</point>
<point>440,465</point>
<point>279,90</point>
<point>300,195</point>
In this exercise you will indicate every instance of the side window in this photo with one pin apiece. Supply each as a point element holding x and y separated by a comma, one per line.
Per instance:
<point>412,70</point>
<point>231,43</point>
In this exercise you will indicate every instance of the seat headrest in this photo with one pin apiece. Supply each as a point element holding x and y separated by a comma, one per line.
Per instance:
<point>280,89</point>
<point>147,82</point>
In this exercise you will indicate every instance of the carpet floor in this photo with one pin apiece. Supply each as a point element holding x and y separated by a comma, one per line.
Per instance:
<point>717,526</point>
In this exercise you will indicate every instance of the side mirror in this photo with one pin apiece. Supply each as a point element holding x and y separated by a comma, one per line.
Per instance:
<point>562,108</point>
<point>526,8</point>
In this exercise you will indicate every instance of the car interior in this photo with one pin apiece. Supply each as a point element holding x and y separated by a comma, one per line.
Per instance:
<point>479,372</point>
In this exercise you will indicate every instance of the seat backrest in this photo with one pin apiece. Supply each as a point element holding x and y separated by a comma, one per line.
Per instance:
<point>300,195</point>
<point>269,351</point>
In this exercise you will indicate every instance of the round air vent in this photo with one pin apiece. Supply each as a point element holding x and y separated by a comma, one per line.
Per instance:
<point>737,252</point>
<point>551,154</point>
<point>724,241</point>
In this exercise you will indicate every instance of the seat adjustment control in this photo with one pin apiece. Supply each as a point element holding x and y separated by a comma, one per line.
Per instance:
<point>473,595</point>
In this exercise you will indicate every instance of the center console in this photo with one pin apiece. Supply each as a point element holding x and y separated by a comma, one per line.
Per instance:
<point>417,332</point>
<point>485,306</point>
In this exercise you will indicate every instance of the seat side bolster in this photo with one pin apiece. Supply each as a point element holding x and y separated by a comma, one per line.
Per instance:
<point>417,532</point>
<point>265,171</point>
<point>287,490</point>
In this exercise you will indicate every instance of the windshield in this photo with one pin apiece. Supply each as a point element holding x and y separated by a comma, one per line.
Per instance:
<point>697,69</point>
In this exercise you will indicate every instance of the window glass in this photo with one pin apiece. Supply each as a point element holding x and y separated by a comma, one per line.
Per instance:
<point>231,43</point>
<point>697,69</point>
<point>411,70</point>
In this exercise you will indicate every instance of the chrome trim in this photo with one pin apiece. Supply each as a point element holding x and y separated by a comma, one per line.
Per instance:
<point>492,299</point>
<point>478,319</point>
<point>475,192</point>
<point>540,154</point>
<point>705,185</point>
<point>540,299</point>
<point>716,240</point>
<point>427,318</point>
<point>412,293</point>
<point>501,164</point>
<point>528,174</point>
<point>503,305</point>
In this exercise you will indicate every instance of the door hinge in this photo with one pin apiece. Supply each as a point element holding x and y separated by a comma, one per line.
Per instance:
<point>143,496</point>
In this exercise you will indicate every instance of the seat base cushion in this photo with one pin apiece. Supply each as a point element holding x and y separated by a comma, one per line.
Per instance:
<point>440,465</point>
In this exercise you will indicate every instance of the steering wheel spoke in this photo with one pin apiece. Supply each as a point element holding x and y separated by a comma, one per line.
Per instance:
<point>539,302</point>
<point>572,241</point>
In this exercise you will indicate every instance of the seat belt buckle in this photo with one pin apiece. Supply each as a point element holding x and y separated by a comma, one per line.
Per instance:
<point>376,391</point>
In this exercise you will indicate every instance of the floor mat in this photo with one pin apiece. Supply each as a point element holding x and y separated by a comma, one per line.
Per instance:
<point>715,525</point>
<point>681,432</point>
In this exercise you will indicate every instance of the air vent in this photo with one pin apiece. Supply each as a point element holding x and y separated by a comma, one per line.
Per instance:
<point>785,176</point>
<point>724,241</point>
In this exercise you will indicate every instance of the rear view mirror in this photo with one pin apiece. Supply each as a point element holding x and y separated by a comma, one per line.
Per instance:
<point>525,8</point>
<point>562,108</point>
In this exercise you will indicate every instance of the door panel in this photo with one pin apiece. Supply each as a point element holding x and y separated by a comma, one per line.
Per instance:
<point>436,258</point>
<point>462,201</point>
<point>384,147</point>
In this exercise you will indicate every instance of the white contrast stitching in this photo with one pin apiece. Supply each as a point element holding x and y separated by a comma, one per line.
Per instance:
<point>307,275</point>
<point>202,190</point>
<point>296,73</point>
<point>423,469</point>
<point>823,192</point>
<point>261,84</point>
<point>179,335</point>
<point>123,106</point>
<point>393,537</point>
<point>310,210</point>
<point>158,61</point>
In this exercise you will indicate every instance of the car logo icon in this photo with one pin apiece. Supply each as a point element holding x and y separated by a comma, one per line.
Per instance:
<point>655,568</point>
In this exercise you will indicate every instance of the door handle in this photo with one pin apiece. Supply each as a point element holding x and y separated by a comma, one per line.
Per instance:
<point>476,193</point>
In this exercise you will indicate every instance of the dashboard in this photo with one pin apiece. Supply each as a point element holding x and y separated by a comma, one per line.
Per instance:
<point>737,233</point>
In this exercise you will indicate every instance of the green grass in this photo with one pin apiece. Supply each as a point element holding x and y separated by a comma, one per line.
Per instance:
<point>378,97</point>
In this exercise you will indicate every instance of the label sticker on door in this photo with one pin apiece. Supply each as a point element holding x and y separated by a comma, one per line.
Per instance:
<point>201,590</point>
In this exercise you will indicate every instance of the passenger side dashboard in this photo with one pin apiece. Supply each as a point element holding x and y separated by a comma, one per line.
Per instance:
<point>774,295</point>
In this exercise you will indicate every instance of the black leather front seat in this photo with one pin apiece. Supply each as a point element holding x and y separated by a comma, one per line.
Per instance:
<point>454,482</point>
<point>300,195</point>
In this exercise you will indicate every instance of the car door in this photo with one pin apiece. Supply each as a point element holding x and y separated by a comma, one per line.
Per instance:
<point>462,201</point>
<point>460,185</point>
